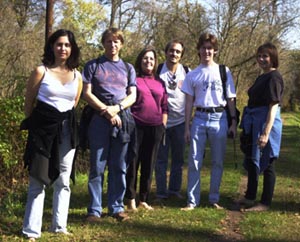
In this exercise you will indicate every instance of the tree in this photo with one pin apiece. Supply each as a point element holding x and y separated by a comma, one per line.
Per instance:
<point>118,9</point>
<point>49,18</point>
<point>242,26</point>
<point>21,29</point>
<point>87,21</point>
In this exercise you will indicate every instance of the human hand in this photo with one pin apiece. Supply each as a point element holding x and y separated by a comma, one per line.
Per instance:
<point>110,111</point>
<point>187,136</point>
<point>262,140</point>
<point>232,132</point>
<point>116,121</point>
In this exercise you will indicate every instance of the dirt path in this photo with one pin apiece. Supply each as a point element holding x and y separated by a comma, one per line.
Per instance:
<point>230,231</point>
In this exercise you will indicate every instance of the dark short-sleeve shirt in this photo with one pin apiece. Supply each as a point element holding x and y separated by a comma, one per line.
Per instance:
<point>109,79</point>
<point>266,89</point>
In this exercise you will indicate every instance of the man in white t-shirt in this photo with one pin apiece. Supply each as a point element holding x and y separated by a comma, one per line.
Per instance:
<point>172,73</point>
<point>203,89</point>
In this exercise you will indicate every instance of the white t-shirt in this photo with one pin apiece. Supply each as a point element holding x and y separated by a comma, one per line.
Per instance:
<point>54,93</point>
<point>176,98</point>
<point>205,85</point>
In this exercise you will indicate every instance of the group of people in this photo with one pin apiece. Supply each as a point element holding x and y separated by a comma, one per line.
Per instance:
<point>140,114</point>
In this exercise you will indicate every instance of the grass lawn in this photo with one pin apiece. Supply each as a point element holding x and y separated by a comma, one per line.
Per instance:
<point>167,223</point>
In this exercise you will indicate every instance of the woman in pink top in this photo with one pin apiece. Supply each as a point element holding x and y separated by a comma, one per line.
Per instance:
<point>150,114</point>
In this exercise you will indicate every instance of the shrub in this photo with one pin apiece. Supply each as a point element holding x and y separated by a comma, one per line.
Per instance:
<point>12,140</point>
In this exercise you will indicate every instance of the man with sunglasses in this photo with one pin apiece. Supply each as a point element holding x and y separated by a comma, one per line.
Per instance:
<point>172,72</point>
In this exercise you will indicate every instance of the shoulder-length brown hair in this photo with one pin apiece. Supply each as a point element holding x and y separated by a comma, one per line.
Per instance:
<point>138,62</point>
<point>272,51</point>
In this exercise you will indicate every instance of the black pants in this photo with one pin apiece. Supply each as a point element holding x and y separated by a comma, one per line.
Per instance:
<point>148,139</point>
<point>268,183</point>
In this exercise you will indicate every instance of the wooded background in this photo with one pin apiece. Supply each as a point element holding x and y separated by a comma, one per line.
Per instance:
<point>240,25</point>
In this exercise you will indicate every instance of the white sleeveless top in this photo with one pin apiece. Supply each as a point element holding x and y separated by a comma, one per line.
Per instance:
<point>54,93</point>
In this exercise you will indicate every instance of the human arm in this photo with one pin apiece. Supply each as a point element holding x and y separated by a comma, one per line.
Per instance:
<point>32,88</point>
<point>99,106</point>
<point>264,137</point>
<point>189,100</point>
<point>113,110</point>
<point>165,108</point>
<point>91,99</point>
<point>165,119</point>
<point>79,88</point>
<point>231,106</point>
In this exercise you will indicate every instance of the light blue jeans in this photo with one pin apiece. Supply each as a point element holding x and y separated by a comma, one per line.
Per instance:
<point>110,151</point>
<point>174,140</point>
<point>211,127</point>
<point>32,223</point>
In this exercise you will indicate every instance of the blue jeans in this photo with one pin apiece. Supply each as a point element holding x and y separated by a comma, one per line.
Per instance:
<point>110,151</point>
<point>211,127</point>
<point>174,139</point>
<point>32,223</point>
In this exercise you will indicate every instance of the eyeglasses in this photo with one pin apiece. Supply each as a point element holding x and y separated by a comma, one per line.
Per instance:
<point>172,84</point>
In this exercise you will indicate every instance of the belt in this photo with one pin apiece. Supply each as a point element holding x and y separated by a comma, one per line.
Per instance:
<point>211,110</point>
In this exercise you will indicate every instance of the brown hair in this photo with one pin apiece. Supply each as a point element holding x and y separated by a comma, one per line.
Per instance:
<point>271,50</point>
<point>175,41</point>
<point>207,37</point>
<point>138,62</point>
<point>113,31</point>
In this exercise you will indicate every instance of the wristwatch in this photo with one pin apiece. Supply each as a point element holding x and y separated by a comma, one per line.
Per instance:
<point>121,107</point>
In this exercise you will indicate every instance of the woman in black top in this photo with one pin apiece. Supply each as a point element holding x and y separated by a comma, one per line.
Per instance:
<point>262,123</point>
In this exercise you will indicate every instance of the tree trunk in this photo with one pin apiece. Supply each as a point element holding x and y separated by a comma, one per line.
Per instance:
<point>49,18</point>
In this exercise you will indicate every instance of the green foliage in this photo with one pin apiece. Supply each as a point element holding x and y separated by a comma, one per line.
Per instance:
<point>86,19</point>
<point>11,138</point>
<point>166,222</point>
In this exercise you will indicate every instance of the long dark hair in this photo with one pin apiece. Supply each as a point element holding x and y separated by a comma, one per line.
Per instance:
<point>138,62</point>
<point>48,56</point>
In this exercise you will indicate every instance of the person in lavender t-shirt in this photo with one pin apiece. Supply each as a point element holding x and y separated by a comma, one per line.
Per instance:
<point>110,89</point>
<point>150,114</point>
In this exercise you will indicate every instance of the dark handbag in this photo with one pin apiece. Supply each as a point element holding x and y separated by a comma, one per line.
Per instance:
<point>237,112</point>
<point>85,120</point>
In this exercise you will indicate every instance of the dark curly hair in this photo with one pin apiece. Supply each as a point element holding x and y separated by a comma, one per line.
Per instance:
<point>48,56</point>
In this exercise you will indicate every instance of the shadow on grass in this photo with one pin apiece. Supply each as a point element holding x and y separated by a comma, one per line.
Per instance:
<point>138,230</point>
<point>289,153</point>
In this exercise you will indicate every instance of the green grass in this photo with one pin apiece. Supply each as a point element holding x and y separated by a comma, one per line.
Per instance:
<point>167,223</point>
